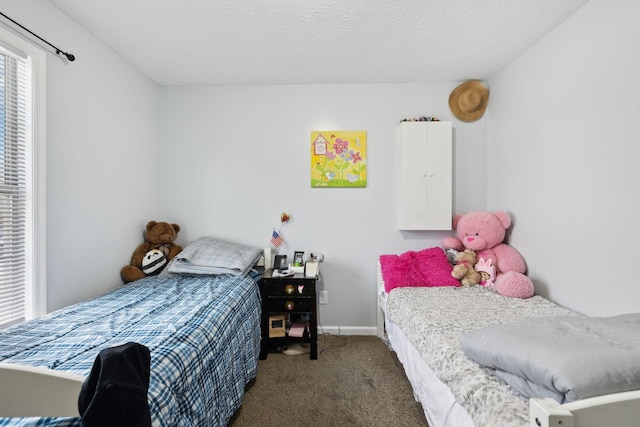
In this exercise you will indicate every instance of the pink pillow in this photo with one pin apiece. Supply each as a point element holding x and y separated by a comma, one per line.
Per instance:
<point>428,267</point>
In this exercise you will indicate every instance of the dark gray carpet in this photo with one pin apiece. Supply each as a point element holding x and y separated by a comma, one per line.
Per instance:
<point>356,381</point>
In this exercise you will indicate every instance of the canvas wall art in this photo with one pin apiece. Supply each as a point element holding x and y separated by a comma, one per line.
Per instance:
<point>338,159</point>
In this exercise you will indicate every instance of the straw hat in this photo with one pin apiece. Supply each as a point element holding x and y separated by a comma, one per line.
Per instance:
<point>469,100</point>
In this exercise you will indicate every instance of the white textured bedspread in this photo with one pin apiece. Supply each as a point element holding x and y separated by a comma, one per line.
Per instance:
<point>433,319</point>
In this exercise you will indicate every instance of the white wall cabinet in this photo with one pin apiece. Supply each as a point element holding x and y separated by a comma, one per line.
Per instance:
<point>425,176</point>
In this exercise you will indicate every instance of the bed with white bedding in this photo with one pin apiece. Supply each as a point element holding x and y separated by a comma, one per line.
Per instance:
<point>424,326</point>
<point>203,332</point>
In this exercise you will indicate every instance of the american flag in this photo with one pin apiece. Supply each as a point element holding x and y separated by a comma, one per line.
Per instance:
<point>276,240</point>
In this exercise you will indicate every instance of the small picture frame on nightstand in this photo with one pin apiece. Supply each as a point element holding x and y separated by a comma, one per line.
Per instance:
<point>277,325</point>
<point>311,268</point>
<point>297,258</point>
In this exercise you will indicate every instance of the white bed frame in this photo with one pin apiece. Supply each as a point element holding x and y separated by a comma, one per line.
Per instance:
<point>619,410</point>
<point>27,391</point>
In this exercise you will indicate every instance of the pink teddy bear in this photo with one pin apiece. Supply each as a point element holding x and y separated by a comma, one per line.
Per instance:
<point>484,233</point>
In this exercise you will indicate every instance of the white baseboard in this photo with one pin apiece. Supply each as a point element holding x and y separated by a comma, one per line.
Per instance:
<point>348,330</point>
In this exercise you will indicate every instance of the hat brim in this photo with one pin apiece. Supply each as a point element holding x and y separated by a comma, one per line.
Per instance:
<point>478,112</point>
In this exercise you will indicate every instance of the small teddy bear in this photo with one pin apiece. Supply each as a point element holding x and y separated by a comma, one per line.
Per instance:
<point>487,272</point>
<point>464,269</point>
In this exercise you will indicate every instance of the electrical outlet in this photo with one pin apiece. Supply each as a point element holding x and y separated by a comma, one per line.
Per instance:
<point>324,297</point>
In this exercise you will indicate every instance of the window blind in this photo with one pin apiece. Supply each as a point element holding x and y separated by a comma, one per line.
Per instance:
<point>14,131</point>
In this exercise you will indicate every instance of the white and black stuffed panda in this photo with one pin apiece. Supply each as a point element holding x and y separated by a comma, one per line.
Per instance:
<point>153,262</point>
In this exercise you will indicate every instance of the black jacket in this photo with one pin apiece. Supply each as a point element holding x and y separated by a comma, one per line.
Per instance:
<point>115,392</point>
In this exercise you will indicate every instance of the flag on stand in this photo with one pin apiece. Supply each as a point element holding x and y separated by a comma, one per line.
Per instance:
<point>276,240</point>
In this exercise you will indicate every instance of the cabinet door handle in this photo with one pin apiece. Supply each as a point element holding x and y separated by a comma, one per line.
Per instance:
<point>289,289</point>
<point>289,305</point>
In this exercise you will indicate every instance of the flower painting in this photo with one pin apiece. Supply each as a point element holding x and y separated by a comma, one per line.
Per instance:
<point>338,159</point>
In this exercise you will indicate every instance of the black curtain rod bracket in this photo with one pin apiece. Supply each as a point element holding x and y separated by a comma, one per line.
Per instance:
<point>59,52</point>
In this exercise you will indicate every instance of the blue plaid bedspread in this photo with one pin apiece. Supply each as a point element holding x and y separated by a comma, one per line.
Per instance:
<point>203,333</point>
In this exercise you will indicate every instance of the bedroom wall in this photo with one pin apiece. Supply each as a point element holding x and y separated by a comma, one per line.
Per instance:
<point>236,157</point>
<point>563,158</point>
<point>102,152</point>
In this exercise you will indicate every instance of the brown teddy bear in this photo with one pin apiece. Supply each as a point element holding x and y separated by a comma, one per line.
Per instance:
<point>154,253</point>
<point>464,270</point>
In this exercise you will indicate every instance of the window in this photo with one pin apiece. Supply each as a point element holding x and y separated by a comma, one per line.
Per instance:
<point>22,261</point>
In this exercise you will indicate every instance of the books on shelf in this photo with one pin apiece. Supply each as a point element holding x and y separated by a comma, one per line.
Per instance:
<point>297,329</point>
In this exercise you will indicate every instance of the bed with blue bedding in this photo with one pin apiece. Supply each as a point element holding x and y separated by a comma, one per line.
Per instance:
<point>203,332</point>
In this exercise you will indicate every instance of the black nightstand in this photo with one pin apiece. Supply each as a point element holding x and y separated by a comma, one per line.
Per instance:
<point>288,301</point>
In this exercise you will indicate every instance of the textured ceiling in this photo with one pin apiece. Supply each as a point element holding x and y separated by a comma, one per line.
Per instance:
<point>214,42</point>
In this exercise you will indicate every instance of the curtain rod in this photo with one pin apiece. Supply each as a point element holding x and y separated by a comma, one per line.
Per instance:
<point>69,56</point>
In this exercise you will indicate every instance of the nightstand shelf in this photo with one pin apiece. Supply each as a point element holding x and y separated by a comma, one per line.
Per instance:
<point>286,302</point>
